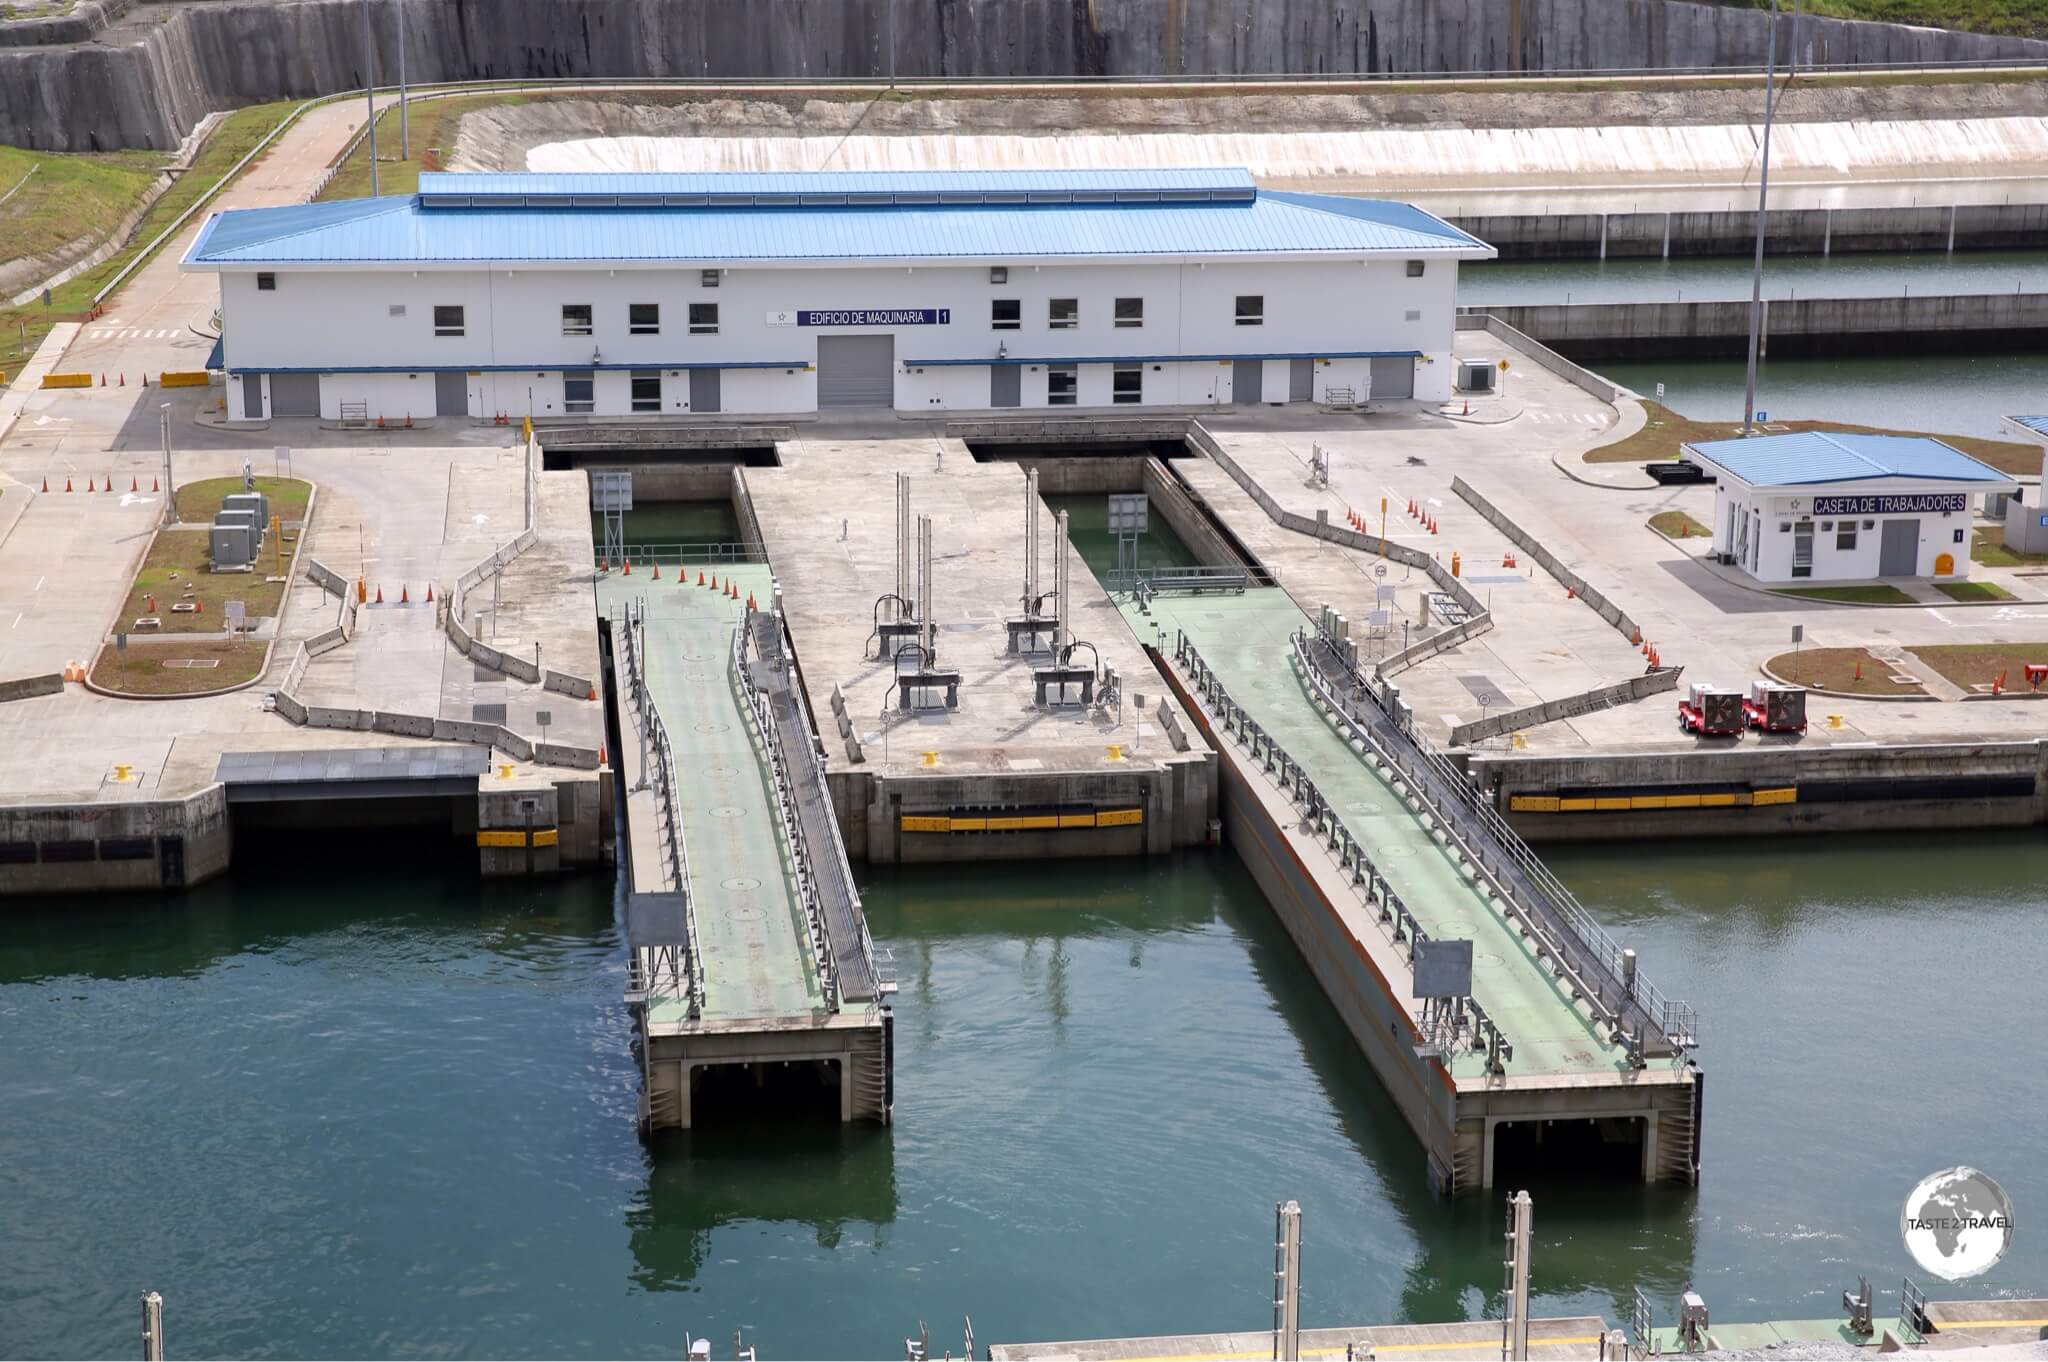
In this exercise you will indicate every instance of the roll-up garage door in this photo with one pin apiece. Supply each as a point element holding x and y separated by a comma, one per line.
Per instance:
<point>1393,376</point>
<point>295,394</point>
<point>856,371</point>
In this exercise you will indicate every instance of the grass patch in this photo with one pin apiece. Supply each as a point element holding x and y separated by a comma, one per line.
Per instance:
<point>1974,591</point>
<point>67,197</point>
<point>1848,595</point>
<point>199,502</point>
<point>1666,430</point>
<point>1987,546</point>
<point>1677,525</point>
<point>2014,18</point>
<point>139,669</point>
<point>1978,664</point>
<point>178,560</point>
<point>231,141</point>
<point>433,129</point>
<point>1835,669</point>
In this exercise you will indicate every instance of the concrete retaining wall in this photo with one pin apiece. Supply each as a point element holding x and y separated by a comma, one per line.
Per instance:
<point>1790,326</point>
<point>1549,561</point>
<point>1178,510</point>
<point>149,78</point>
<point>1570,707</point>
<point>198,825</point>
<point>1492,322</point>
<point>1814,231</point>
<point>25,687</point>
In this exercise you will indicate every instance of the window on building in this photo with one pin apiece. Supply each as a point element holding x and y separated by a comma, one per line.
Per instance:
<point>709,278</point>
<point>395,310</point>
<point>266,282</point>
<point>1005,314</point>
<point>999,274</point>
<point>646,390</point>
<point>1415,268</point>
<point>579,390</point>
<point>703,319</point>
<point>1251,309</point>
<point>1064,314</point>
<point>1130,312</point>
<point>1062,385</point>
<point>1127,384</point>
<point>447,321</point>
<point>576,319</point>
<point>1845,537</point>
<point>643,319</point>
<point>1802,549</point>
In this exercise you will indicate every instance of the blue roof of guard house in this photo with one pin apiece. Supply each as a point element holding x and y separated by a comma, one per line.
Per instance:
<point>890,215</point>
<point>1816,456</point>
<point>2037,424</point>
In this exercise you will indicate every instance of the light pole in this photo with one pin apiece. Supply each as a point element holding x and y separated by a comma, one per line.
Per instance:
<point>163,418</point>
<point>1763,198</point>
<point>404,126</point>
<point>370,93</point>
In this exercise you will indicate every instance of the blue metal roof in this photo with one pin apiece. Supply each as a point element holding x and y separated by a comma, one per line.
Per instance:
<point>1825,456</point>
<point>403,231</point>
<point>793,188</point>
<point>2037,424</point>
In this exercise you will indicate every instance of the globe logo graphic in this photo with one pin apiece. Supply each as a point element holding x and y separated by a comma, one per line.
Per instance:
<point>1957,1223</point>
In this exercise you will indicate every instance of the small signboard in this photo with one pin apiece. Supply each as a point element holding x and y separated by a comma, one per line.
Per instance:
<point>876,316</point>
<point>237,613</point>
<point>1443,968</point>
<point>1660,392</point>
<point>611,489</point>
<point>1128,512</point>
<point>1762,417</point>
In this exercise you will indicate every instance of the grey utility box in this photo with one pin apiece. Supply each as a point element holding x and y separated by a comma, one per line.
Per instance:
<point>240,519</point>
<point>249,501</point>
<point>232,546</point>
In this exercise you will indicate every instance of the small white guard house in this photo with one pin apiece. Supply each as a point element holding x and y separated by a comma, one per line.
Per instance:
<point>1823,507</point>
<point>609,297</point>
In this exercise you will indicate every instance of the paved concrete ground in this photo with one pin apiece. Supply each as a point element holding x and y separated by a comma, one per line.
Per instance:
<point>830,586</point>
<point>1575,1337</point>
<point>1543,645</point>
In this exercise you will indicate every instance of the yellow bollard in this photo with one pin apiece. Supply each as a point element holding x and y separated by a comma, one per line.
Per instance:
<point>124,772</point>
<point>928,758</point>
<point>504,770</point>
<point>1520,740</point>
<point>362,591</point>
<point>1116,752</point>
<point>1834,721</point>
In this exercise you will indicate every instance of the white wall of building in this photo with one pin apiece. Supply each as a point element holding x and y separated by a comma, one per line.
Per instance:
<point>342,321</point>
<point>1765,546</point>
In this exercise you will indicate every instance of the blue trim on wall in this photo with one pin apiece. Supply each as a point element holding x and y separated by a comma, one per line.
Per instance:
<point>505,368</point>
<point>991,360</point>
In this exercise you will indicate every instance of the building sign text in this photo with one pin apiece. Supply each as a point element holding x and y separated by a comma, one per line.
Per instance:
<point>1908,504</point>
<point>885,316</point>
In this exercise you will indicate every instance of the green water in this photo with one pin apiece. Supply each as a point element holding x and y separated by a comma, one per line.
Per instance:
<point>391,1112</point>
<point>676,522</point>
<point>1088,530</point>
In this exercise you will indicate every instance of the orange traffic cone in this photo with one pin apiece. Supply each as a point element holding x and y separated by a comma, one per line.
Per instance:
<point>657,572</point>
<point>430,591</point>
<point>700,576</point>
<point>88,484</point>
<point>124,379</point>
<point>109,485</point>
<point>67,484</point>
<point>46,484</point>
<point>153,487</point>
<point>103,379</point>
<point>380,593</point>
<point>135,484</point>
<point>199,607</point>
<point>592,695</point>
<point>732,588</point>
<point>404,594</point>
<point>714,581</point>
<point>600,754</point>
<point>629,565</point>
<point>751,607</point>
<point>1859,669</point>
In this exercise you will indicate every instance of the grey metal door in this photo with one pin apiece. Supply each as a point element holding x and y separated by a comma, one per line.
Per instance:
<point>1247,382</point>
<point>1393,376</point>
<point>252,397</point>
<point>1301,380</point>
<point>856,371</point>
<point>295,394</point>
<point>451,393</point>
<point>1898,553</point>
<point>704,390</point>
<point>1005,385</point>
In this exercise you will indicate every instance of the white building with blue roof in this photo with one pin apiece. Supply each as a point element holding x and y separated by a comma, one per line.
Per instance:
<point>620,296</point>
<point>1820,507</point>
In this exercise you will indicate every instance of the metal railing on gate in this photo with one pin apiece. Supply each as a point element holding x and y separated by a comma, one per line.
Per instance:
<point>675,966</point>
<point>1596,966</point>
<point>1448,1025</point>
<point>707,553</point>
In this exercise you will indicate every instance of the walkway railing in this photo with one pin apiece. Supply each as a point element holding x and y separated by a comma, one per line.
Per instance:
<point>1444,1028</point>
<point>1195,579</point>
<point>675,966</point>
<point>802,860</point>
<point>645,556</point>
<point>1594,964</point>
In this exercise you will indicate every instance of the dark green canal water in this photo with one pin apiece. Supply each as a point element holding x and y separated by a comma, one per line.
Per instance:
<point>390,1111</point>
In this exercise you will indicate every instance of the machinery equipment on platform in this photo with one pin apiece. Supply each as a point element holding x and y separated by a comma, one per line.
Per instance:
<point>1774,707</point>
<point>1692,1321</point>
<point>1711,711</point>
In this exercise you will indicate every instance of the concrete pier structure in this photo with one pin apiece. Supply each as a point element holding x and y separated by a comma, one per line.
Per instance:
<point>750,955</point>
<point>1000,773</point>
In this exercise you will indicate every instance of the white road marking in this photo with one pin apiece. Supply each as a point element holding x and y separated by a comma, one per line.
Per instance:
<point>40,581</point>
<point>17,620</point>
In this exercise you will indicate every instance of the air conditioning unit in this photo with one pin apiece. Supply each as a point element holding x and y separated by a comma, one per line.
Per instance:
<point>1475,375</point>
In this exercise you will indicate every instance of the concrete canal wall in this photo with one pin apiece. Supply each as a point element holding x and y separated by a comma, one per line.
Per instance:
<point>1799,231</point>
<point>1833,326</point>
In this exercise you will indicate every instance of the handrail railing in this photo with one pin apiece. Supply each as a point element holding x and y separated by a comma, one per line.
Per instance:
<point>1598,969</point>
<point>663,779</point>
<point>1193,578</point>
<point>801,858</point>
<point>1442,1026</point>
<point>707,552</point>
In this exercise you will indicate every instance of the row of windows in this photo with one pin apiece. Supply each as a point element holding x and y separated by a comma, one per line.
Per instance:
<point>579,389</point>
<point>1063,384</point>
<point>642,319</point>
<point>1064,314</point>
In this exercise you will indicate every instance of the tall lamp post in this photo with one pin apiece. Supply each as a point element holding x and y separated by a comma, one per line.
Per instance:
<point>370,92</point>
<point>1763,200</point>
<point>163,419</point>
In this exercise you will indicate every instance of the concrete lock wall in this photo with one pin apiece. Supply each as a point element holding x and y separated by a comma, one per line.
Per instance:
<point>150,77</point>
<point>1816,231</point>
<point>115,846</point>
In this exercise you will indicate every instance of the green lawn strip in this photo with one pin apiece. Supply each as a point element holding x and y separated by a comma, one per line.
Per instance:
<point>433,128</point>
<point>1979,664</point>
<point>1973,591</point>
<point>199,502</point>
<point>2013,18</point>
<point>1835,669</point>
<point>67,196</point>
<point>177,560</point>
<point>1849,595</point>
<point>22,329</point>
<point>1987,546</point>
<point>1666,430</point>
<point>139,668</point>
<point>1677,525</point>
